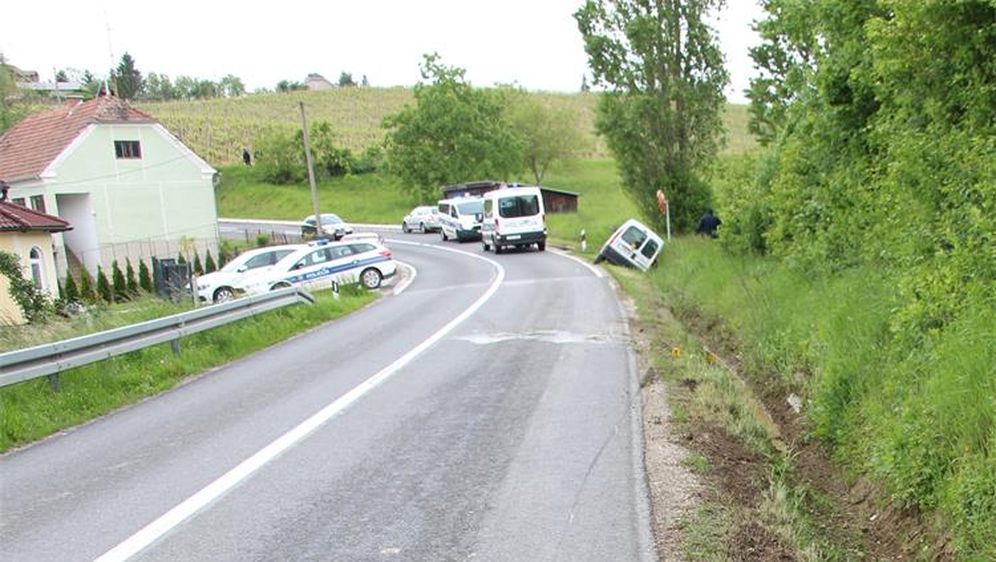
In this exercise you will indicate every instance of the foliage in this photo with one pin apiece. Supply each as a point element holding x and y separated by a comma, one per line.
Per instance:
<point>104,292</point>
<point>144,277</point>
<point>14,104</point>
<point>127,79</point>
<point>70,291</point>
<point>454,133</point>
<point>118,283</point>
<point>87,292</point>
<point>130,281</point>
<point>32,301</point>
<point>346,79</point>
<point>549,134</point>
<point>280,156</point>
<point>209,265</point>
<point>198,266</point>
<point>289,86</point>
<point>662,114</point>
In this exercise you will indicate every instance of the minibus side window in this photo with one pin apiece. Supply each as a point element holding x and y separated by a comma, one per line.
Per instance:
<point>634,237</point>
<point>649,249</point>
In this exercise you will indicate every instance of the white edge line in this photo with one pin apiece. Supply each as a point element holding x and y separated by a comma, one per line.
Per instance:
<point>189,507</point>
<point>597,271</point>
<point>407,282</point>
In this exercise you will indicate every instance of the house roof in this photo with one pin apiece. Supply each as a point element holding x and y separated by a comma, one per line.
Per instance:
<point>15,217</point>
<point>31,145</point>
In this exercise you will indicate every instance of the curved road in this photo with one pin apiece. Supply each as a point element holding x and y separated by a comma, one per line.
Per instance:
<point>490,411</point>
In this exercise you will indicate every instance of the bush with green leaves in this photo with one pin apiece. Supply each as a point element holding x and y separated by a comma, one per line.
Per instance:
<point>118,283</point>
<point>144,277</point>
<point>130,280</point>
<point>32,301</point>
<point>209,265</point>
<point>87,292</point>
<point>104,291</point>
<point>71,292</point>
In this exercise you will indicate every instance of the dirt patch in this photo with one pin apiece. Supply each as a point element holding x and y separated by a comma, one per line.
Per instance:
<point>739,474</point>
<point>752,542</point>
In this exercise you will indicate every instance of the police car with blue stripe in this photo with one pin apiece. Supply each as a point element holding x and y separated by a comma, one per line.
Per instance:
<point>321,262</point>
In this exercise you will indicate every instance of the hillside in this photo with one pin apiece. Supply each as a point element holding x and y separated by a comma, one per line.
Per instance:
<point>217,129</point>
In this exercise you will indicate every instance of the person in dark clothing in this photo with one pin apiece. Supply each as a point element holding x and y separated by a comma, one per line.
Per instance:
<point>708,224</point>
<point>246,157</point>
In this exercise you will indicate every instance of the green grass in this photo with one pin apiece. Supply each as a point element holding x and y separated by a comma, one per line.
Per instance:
<point>32,410</point>
<point>922,422</point>
<point>96,319</point>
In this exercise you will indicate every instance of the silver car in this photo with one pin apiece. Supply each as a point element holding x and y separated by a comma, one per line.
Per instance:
<point>422,219</point>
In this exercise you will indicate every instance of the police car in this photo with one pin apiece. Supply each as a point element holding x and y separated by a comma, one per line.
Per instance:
<point>321,262</point>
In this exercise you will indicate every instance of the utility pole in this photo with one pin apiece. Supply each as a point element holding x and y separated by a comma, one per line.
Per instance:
<point>311,174</point>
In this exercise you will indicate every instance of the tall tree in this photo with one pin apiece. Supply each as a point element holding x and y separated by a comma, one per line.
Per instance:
<point>453,133</point>
<point>661,113</point>
<point>127,78</point>
<point>549,134</point>
<point>231,86</point>
<point>346,79</point>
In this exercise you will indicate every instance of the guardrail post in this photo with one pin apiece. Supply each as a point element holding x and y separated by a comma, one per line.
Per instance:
<point>54,382</point>
<point>175,344</point>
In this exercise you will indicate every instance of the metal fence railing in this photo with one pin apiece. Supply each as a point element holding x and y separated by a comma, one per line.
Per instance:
<point>52,358</point>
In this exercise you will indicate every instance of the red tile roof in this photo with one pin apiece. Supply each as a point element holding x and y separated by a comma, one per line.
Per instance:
<point>31,145</point>
<point>19,218</point>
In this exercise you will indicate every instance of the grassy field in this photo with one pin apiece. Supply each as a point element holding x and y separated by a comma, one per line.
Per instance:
<point>218,129</point>
<point>32,410</point>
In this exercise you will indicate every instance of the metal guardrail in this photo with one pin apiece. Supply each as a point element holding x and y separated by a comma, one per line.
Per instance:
<point>52,358</point>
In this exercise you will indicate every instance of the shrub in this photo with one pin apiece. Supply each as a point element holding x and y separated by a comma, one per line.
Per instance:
<point>118,283</point>
<point>104,287</point>
<point>209,265</point>
<point>262,239</point>
<point>87,293</point>
<point>130,279</point>
<point>144,278</point>
<point>71,292</point>
<point>198,267</point>
<point>32,301</point>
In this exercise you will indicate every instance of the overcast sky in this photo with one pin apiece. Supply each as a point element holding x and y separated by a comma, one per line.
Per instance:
<point>533,43</point>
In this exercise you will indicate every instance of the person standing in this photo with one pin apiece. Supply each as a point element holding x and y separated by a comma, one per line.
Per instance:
<point>708,224</point>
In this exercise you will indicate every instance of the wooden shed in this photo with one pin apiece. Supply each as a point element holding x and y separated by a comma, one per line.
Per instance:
<point>554,200</point>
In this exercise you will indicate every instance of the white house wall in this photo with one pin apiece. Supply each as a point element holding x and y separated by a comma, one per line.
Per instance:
<point>152,206</point>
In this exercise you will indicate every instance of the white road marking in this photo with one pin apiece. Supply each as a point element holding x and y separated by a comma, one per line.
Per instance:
<point>597,271</point>
<point>400,288</point>
<point>192,505</point>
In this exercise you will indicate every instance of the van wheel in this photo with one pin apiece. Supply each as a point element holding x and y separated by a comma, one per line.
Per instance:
<point>484,244</point>
<point>541,245</point>
<point>404,228</point>
<point>421,227</point>
<point>224,294</point>
<point>443,232</point>
<point>498,249</point>
<point>370,278</point>
<point>599,258</point>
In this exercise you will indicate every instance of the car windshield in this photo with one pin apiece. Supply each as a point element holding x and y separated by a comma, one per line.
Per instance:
<point>471,207</point>
<point>331,219</point>
<point>239,261</point>
<point>519,206</point>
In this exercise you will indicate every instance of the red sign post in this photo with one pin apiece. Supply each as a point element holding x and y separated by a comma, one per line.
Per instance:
<point>662,205</point>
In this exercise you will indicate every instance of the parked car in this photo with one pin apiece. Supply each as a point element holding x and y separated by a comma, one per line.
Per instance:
<point>632,245</point>
<point>332,226</point>
<point>513,216</point>
<point>460,218</point>
<point>218,286</point>
<point>422,219</point>
<point>320,262</point>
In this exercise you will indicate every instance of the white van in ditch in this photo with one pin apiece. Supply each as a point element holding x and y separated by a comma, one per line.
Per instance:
<point>460,218</point>
<point>513,216</point>
<point>632,245</point>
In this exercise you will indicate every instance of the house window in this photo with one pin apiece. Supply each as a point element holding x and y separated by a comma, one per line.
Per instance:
<point>37,269</point>
<point>18,201</point>
<point>127,149</point>
<point>38,203</point>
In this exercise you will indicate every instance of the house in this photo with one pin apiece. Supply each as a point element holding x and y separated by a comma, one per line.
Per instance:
<point>28,234</point>
<point>316,81</point>
<point>554,200</point>
<point>129,187</point>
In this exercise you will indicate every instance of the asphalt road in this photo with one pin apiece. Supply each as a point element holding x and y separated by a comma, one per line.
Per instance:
<point>490,411</point>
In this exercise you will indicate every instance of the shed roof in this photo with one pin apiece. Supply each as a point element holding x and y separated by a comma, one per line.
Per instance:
<point>31,145</point>
<point>15,217</point>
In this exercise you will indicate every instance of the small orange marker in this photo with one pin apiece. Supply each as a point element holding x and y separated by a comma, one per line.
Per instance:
<point>676,351</point>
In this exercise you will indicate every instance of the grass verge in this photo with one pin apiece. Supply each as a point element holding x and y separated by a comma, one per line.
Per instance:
<point>32,410</point>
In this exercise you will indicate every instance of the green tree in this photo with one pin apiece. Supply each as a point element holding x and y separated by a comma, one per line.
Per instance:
<point>209,264</point>
<point>453,133</point>
<point>87,293</point>
<point>104,291</point>
<point>71,290</point>
<point>661,115</point>
<point>127,79</point>
<point>198,266</point>
<point>144,278</point>
<point>130,280</point>
<point>12,106</point>
<point>184,87</point>
<point>346,79</point>
<point>231,86</point>
<point>32,301</point>
<point>548,134</point>
<point>118,283</point>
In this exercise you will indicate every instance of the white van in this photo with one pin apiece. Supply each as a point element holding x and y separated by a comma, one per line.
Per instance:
<point>513,216</point>
<point>460,218</point>
<point>632,245</point>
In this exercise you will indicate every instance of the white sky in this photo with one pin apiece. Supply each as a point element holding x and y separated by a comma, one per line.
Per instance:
<point>533,43</point>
